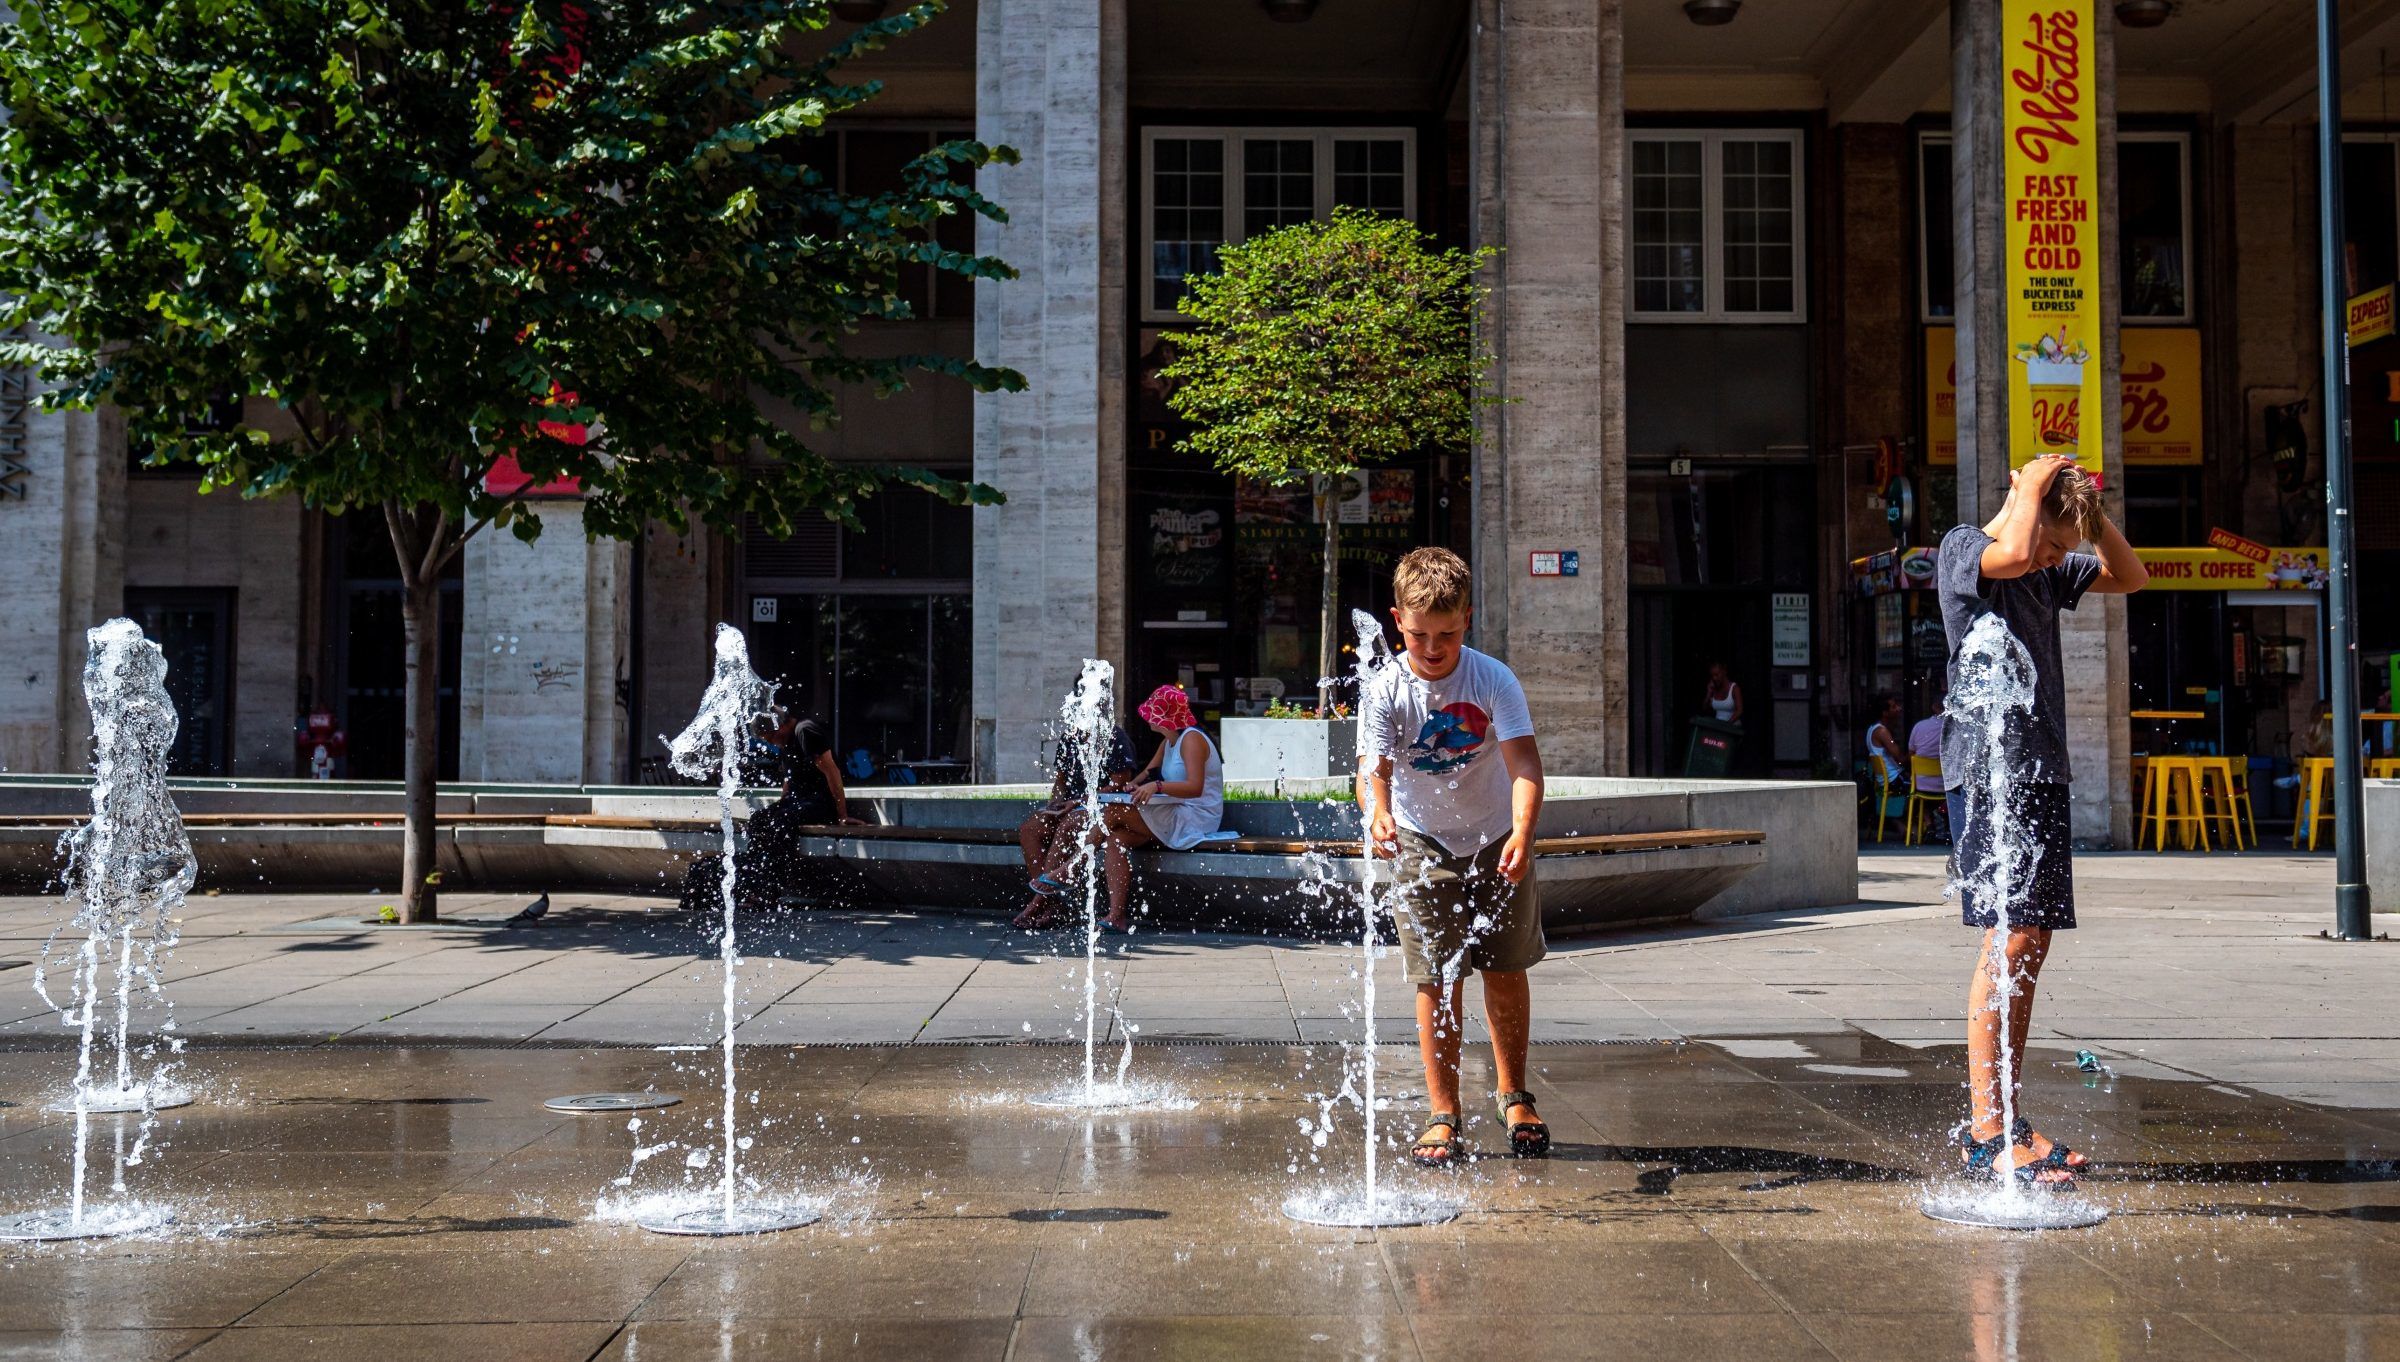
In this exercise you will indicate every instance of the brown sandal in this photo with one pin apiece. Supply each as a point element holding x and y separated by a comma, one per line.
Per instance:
<point>1449,1145</point>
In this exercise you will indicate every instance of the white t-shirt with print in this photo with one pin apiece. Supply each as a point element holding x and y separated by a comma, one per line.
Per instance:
<point>1443,737</point>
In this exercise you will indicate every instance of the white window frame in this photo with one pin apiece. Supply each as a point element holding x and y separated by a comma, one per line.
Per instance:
<point>1925,312</point>
<point>1712,224</point>
<point>1233,137</point>
<point>2191,280</point>
<point>2191,276</point>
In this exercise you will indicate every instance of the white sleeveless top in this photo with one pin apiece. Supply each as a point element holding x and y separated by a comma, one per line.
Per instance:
<point>1723,704</point>
<point>1181,823</point>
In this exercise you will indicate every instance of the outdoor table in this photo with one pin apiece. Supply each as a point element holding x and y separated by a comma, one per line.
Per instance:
<point>2166,718</point>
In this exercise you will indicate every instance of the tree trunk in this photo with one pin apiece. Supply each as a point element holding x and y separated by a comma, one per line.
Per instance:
<point>1329,600</point>
<point>420,882</point>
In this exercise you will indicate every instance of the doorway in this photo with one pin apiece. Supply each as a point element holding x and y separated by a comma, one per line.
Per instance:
<point>193,626</point>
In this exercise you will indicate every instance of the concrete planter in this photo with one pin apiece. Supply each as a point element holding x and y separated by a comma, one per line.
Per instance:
<point>1289,749</point>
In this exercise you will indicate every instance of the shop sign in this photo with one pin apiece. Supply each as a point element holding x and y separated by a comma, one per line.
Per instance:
<point>2158,392</point>
<point>1877,574</point>
<point>2371,315</point>
<point>2215,569</point>
<point>2158,386</point>
<point>2051,175</point>
<point>1187,538</point>
<point>1918,567</point>
<point>1941,394</point>
<point>1789,644</point>
<point>2234,543</point>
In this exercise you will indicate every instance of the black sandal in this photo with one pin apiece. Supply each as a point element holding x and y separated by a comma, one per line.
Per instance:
<point>1450,1147</point>
<point>1983,1157</point>
<point>1526,1139</point>
<point>2060,1157</point>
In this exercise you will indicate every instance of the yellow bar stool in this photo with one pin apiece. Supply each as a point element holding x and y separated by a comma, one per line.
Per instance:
<point>2174,802</point>
<point>2225,795</point>
<point>2141,800</point>
<point>2316,785</point>
<point>2384,768</point>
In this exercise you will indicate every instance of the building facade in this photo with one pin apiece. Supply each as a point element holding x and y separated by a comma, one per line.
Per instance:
<point>1747,312</point>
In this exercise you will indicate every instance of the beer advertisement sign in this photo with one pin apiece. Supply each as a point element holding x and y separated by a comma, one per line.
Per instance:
<point>2050,166</point>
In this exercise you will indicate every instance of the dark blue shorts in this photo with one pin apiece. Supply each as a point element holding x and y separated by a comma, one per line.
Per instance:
<point>2042,891</point>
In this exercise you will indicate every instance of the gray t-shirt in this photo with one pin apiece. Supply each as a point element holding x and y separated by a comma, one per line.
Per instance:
<point>2029,606</point>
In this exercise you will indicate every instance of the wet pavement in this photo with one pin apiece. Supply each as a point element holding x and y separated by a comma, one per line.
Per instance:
<point>1749,1196</point>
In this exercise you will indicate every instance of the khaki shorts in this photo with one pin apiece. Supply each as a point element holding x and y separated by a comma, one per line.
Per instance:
<point>1459,914</point>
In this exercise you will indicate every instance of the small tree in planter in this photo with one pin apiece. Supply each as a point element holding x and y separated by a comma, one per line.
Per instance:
<point>1322,348</point>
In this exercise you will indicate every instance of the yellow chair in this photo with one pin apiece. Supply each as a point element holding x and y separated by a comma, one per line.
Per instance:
<point>1884,783</point>
<point>2384,768</point>
<point>2316,786</point>
<point>2173,800</point>
<point>1921,802</point>
<point>2225,797</point>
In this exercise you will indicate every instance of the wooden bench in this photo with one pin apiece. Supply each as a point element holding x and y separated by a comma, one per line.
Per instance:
<point>1245,884</point>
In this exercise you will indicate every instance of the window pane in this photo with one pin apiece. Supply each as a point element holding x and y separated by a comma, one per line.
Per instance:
<point>2372,226</point>
<point>1279,183</point>
<point>1187,215</point>
<point>1367,173</point>
<point>1668,230</point>
<point>1754,175</point>
<point>1933,210</point>
<point>2150,232</point>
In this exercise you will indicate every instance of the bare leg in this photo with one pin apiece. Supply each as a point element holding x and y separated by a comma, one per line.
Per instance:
<point>1508,1010</point>
<point>1440,1034</point>
<point>1033,838</point>
<point>2023,952</point>
<point>1126,830</point>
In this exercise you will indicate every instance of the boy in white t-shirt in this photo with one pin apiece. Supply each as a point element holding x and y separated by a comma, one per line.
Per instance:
<point>1450,786</point>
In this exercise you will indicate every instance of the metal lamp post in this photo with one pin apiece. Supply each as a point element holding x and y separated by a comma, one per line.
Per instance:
<point>2351,909</point>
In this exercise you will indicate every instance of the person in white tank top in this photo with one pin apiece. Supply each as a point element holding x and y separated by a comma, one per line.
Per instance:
<point>1724,694</point>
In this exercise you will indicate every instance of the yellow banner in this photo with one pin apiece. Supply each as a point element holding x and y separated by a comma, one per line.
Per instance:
<point>1941,395</point>
<point>2225,570</point>
<point>2158,386</point>
<point>2371,315</point>
<point>2158,390</point>
<point>2050,180</point>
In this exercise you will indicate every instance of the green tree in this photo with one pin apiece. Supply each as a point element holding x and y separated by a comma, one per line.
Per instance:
<point>467,249</point>
<point>1324,347</point>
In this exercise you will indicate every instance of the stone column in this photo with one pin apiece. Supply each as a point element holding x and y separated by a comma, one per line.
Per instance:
<point>1050,564</point>
<point>543,642</point>
<point>1549,146</point>
<point>2091,638</point>
<point>62,513</point>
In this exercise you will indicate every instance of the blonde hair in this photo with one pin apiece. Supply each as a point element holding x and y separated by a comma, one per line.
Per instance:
<point>1433,581</point>
<point>2073,498</point>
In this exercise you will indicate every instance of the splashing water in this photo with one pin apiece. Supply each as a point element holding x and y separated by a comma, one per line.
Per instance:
<point>712,744</point>
<point>1369,1204</point>
<point>1088,721</point>
<point>128,870</point>
<point>1991,695</point>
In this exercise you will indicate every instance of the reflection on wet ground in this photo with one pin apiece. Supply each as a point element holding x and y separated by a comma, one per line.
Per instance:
<point>420,1201</point>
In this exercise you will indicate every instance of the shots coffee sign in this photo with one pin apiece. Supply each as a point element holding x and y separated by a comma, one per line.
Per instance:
<point>2052,178</point>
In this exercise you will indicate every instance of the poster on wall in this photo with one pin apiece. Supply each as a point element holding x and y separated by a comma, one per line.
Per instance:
<point>2050,176</point>
<point>2158,396</point>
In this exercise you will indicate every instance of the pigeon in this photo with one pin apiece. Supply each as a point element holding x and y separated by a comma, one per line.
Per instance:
<point>531,913</point>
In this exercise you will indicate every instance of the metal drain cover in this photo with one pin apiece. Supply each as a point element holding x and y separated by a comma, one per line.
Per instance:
<point>612,1101</point>
<point>98,1222</point>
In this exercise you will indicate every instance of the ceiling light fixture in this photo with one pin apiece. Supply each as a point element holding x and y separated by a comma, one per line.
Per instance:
<point>2144,13</point>
<point>1711,13</point>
